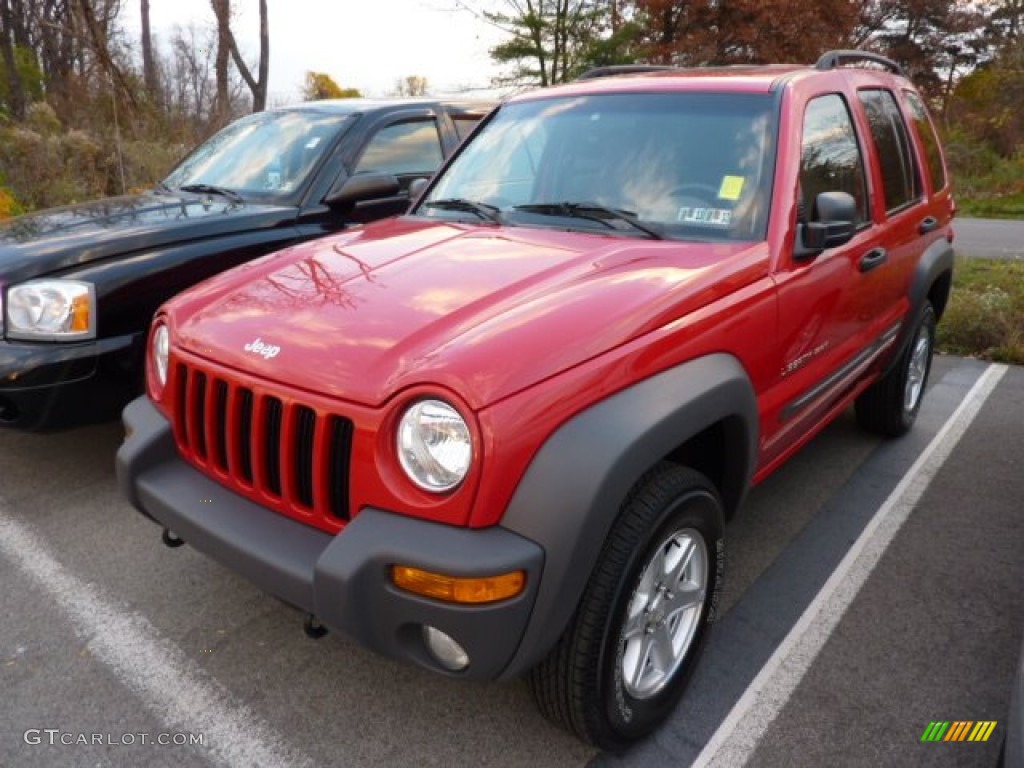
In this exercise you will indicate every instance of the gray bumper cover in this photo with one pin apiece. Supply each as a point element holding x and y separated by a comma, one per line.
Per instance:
<point>344,579</point>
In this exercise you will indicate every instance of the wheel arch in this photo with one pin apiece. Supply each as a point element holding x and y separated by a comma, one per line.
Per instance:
<point>933,278</point>
<point>932,282</point>
<point>702,413</point>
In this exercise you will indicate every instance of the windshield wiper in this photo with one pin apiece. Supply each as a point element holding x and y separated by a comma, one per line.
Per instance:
<point>483,210</point>
<point>213,189</point>
<point>591,212</point>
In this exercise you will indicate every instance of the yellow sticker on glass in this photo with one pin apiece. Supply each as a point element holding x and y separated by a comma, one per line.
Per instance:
<point>731,189</point>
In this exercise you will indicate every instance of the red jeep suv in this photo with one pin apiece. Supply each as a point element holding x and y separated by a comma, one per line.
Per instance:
<point>502,434</point>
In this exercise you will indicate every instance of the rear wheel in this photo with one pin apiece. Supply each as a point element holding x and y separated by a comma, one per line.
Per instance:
<point>889,407</point>
<point>623,662</point>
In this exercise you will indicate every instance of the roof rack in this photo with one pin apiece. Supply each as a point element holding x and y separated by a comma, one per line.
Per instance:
<point>835,59</point>
<point>623,69</point>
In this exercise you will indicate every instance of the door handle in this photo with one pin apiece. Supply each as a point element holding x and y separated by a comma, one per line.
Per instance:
<point>928,224</point>
<point>874,258</point>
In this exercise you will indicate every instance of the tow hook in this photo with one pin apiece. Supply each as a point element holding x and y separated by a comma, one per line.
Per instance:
<point>313,628</point>
<point>171,539</point>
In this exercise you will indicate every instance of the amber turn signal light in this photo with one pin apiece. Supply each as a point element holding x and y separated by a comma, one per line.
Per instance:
<point>454,589</point>
<point>80,314</point>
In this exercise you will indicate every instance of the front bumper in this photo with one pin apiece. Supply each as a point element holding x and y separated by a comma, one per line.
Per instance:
<point>343,579</point>
<point>57,386</point>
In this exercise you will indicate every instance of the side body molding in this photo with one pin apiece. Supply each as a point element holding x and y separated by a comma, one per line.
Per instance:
<point>573,488</point>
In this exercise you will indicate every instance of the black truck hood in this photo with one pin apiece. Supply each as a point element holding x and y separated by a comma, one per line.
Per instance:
<point>60,238</point>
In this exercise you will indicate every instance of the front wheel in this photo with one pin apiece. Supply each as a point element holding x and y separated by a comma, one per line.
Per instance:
<point>622,664</point>
<point>890,405</point>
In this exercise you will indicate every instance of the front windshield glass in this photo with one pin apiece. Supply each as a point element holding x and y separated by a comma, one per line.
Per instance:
<point>268,155</point>
<point>680,165</point>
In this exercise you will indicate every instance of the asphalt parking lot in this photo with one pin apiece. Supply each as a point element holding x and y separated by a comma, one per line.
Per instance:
<point>873,587</point>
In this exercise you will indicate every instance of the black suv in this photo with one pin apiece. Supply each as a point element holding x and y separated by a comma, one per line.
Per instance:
<point>79,285</point>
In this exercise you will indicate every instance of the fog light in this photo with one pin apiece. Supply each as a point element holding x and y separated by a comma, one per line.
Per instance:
<point>448,653</point>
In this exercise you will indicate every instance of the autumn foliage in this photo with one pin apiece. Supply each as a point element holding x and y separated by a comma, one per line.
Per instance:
<point>85,110</point>
<point>704,32</point>
<point>8,205</point>
<point>319,86</point>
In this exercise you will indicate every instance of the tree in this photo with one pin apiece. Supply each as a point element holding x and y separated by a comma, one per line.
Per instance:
<point>15,91</point>
<point>97,27</point>
<point>319,86</point>
<point>928,37</point>
<point>190,85</point>
<point>703,32</point>
<point>222,10</point>
<point>149,71</point>
<point>411,86</point>
<point>986,103</point>
<point>548,39</point>
<point>226,39</point>
<point>1006,23</point>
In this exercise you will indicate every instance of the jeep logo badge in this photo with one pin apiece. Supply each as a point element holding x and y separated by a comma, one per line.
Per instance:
<point>258,347</point>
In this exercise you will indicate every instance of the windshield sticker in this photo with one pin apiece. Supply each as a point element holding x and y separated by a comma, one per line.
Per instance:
<point>712,217</point>
<point>732,188</point>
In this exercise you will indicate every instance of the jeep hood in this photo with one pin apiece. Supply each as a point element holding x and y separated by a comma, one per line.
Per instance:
<point>484,311</point>
<point>61,238</point>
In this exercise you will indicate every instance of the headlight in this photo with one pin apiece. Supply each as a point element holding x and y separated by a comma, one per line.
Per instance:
<point>159,353</point>
<point>434,445</point>
<point>51,310</point>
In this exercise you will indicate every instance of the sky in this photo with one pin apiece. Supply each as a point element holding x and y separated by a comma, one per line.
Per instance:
<point>364,44</point>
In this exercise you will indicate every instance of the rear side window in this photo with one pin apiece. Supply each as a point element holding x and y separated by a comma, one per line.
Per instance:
<point>403,148</point>
<point>830,158</point>
<point>900,180</point>
<point>932,154</point>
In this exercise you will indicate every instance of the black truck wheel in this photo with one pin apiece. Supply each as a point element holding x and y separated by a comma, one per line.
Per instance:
<point>623,662</point>
<point>890,405</point>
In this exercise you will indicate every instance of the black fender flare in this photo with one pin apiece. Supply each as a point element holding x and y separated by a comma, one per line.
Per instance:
<point>573,488</point>
<point>936,260</point>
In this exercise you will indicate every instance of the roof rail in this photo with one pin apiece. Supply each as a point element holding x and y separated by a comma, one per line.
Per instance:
<point>835,59</point>
<point>623,69</point>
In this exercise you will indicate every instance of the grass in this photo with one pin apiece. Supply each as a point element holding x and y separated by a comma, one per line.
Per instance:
<point>1009,206</point>
<point>985,316</point>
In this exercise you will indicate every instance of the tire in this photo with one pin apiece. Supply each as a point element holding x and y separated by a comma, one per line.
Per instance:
<point>889,406</point>
<point>601,680</point>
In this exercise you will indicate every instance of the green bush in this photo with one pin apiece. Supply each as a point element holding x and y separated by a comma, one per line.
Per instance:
<point>985,316</point>
<point>46,166</point>
<point>985,183</point>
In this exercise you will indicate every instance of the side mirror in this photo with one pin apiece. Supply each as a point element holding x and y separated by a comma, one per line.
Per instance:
<point>362,187</point>
<point>832,224</point>
<point>416,187</point>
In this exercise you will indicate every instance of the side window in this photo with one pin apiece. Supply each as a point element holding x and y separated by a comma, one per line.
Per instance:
<point>403,148</point>
<point>830,159</point>
<point>900,180</point>
<point>932,153</point>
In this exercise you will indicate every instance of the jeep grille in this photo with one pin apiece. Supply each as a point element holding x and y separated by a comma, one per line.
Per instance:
<point>283,453</point>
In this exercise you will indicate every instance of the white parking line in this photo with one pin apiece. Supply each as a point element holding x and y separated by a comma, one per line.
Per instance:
<point>737,737</point>
<point>173,687</point>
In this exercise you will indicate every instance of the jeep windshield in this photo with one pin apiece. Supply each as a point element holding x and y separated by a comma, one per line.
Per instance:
<point>689,166</point>
<point>267,156</point>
